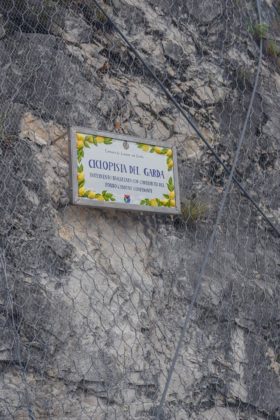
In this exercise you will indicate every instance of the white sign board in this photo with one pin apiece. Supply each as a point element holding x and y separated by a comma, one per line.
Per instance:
<point>117,171</point>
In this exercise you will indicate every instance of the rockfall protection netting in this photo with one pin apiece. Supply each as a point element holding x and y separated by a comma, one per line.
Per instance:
<point>92,302</point>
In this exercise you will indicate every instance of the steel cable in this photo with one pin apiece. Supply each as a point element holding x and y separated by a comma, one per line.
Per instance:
<point>214,232</point>
<point>231,179</point>
<point>187,118</point>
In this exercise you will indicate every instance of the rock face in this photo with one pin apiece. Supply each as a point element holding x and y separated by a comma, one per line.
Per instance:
<point>92,302</point>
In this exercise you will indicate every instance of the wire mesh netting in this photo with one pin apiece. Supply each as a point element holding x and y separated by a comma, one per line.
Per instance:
<point>93,302</point>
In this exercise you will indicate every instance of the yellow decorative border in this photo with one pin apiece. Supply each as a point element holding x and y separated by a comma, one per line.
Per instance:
<point>168,200</point>
<point>160,151</point>
<point>84,140</point>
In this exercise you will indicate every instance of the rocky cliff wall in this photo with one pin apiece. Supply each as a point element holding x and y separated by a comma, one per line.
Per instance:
<point>92,301</point>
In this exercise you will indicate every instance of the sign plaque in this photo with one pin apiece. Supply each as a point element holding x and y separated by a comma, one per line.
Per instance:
<point>118,171</point>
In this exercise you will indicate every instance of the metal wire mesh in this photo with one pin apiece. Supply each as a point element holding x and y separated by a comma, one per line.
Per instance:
<point>92,302</point>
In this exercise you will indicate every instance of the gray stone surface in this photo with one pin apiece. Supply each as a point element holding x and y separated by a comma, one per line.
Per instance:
<point>92,302</point>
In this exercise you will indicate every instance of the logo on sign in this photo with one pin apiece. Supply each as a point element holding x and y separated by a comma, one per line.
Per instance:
<point>126,198</point>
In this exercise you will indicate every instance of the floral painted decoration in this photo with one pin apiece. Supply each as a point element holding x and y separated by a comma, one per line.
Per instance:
<point>168,200</point>
<point>159,150</point>
<point>83,140</point>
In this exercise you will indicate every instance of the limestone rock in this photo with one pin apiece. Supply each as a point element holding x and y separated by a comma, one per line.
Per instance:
<point>76,30</point>
<point>205,12</point>
<point>92,302</point>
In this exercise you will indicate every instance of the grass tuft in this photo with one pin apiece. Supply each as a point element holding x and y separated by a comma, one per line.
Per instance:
<point>193,210</point>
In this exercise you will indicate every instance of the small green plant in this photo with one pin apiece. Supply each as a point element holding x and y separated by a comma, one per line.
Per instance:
<point>243,76</point>
<point>193,210</point>
<point>100,17</point>
<point>260,30</point>
<point>272,49</point>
